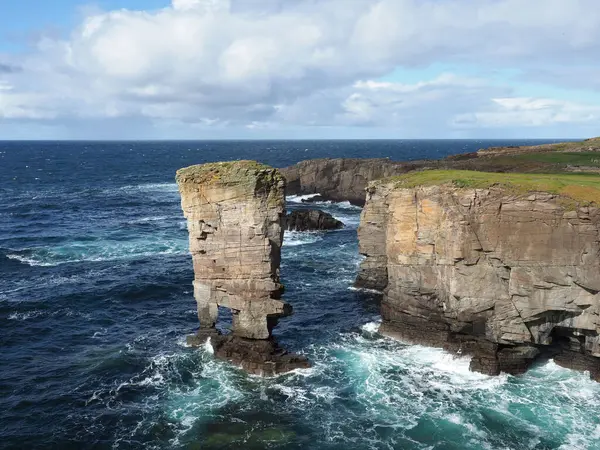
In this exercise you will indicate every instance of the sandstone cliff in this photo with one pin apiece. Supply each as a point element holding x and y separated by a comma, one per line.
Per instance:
<point>502,272</point>
<point>341,179</point>
<point>235,211</point>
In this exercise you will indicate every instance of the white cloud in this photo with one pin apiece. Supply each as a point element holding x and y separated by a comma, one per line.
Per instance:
<point>535,112</point>
<point>306,62</point>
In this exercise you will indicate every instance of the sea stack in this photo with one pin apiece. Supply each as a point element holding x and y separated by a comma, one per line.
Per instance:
<point>487,265</point>
<point>235,213</point>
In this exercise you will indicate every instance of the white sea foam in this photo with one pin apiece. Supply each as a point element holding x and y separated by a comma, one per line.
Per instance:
<point>149,187</point>
<point>182,341</point>
<point>371,327</point>
<point>360,289</point>
<point>31,261</point>
<point>216,387</point>
<point>97,251</point>
<point>342,205</point>
<point>348,220</point>
<point>148,219</point>
<point>299,198</point>
<point>62,312</point>
<point>25,315</point>
<point>294,238</point>
<point>208,348</point>
<point>100,333</point>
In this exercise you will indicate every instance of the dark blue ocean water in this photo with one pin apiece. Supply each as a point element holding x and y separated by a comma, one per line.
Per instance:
<point>96,300</point>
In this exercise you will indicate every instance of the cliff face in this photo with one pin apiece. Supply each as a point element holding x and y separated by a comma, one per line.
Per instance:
<point>503,276</point>
<point>235,212</point>
<point>340,179</point>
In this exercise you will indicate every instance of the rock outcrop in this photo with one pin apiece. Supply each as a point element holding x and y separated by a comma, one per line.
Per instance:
<point>341,179</point>
<point>311,220</point>
<point>235,211</point>
<point>505,276</point>
<point>344,179</point>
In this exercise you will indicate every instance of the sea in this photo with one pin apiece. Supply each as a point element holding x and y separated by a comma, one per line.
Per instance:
<point>96,301</point>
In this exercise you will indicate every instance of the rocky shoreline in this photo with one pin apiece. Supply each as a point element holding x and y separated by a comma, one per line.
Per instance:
<point>494,254</point>
<point>506,278</point>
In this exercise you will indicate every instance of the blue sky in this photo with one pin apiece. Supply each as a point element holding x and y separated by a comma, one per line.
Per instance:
<point>23,20</point>
<point>148,69</point>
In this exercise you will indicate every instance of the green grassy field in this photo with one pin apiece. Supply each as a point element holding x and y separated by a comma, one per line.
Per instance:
<point>571,158</point>
<point>583,188</point>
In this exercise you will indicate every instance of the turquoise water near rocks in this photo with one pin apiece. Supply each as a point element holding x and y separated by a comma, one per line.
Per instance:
<point>95,303</point>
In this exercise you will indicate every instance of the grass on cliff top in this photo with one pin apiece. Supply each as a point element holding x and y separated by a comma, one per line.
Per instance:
<point>583,188</point>
<point>225,172</point>
<point>585,145</point>
<point>591,159</point>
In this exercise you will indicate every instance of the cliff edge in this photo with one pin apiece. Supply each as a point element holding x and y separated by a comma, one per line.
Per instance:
<point>345,179</point>
<point>505,267</point>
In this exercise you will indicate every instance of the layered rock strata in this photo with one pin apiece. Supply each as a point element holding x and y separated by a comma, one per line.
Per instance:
<point>341,179</point>
<point>503,276</point>
<point>311,220</point>
<point>235,212</point>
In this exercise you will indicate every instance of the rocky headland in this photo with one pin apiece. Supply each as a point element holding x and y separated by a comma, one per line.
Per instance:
<point>340,179</point>
<point>493,254</point>
<point>235,213</point>
<point>504,267</point>
<point>344,179</point>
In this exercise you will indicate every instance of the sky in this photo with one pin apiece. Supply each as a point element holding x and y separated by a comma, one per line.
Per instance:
<point>293,69</point>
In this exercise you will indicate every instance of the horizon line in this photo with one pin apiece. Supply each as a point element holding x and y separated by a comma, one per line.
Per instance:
<point>299,139</point>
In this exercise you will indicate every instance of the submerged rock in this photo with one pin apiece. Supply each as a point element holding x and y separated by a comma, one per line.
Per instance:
<point>235,211</point>
<point>311,219</point>
<point>501,274</point>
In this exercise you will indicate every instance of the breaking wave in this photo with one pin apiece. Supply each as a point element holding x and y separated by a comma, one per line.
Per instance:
<point>101,250</point>
<point>299,198</point>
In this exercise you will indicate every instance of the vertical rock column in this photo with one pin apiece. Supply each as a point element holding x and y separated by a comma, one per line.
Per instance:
<point>235,212</point>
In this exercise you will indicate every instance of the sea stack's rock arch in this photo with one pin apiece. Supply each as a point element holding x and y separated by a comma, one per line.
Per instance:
<point>235,212</point>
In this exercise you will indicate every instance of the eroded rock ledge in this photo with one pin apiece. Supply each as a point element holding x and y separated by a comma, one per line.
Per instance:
<point>505,276</point>
<point>235,211</point>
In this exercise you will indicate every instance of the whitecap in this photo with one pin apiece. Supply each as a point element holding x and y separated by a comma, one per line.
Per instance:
<point>361,289</point>
<point>294,238</point>
<point>208,348</point>
<point>160,187</point>
<point>30,261</point>
<point>342,205</point>
<point>298,394</point>
<point>299,198</point>
<point>348,221</point>
<point>25,315</point>
<point>148,219</point>
<point>97,251</point>
<point>371,327</point>
<point>99,334</point>
<point>182,341</point>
